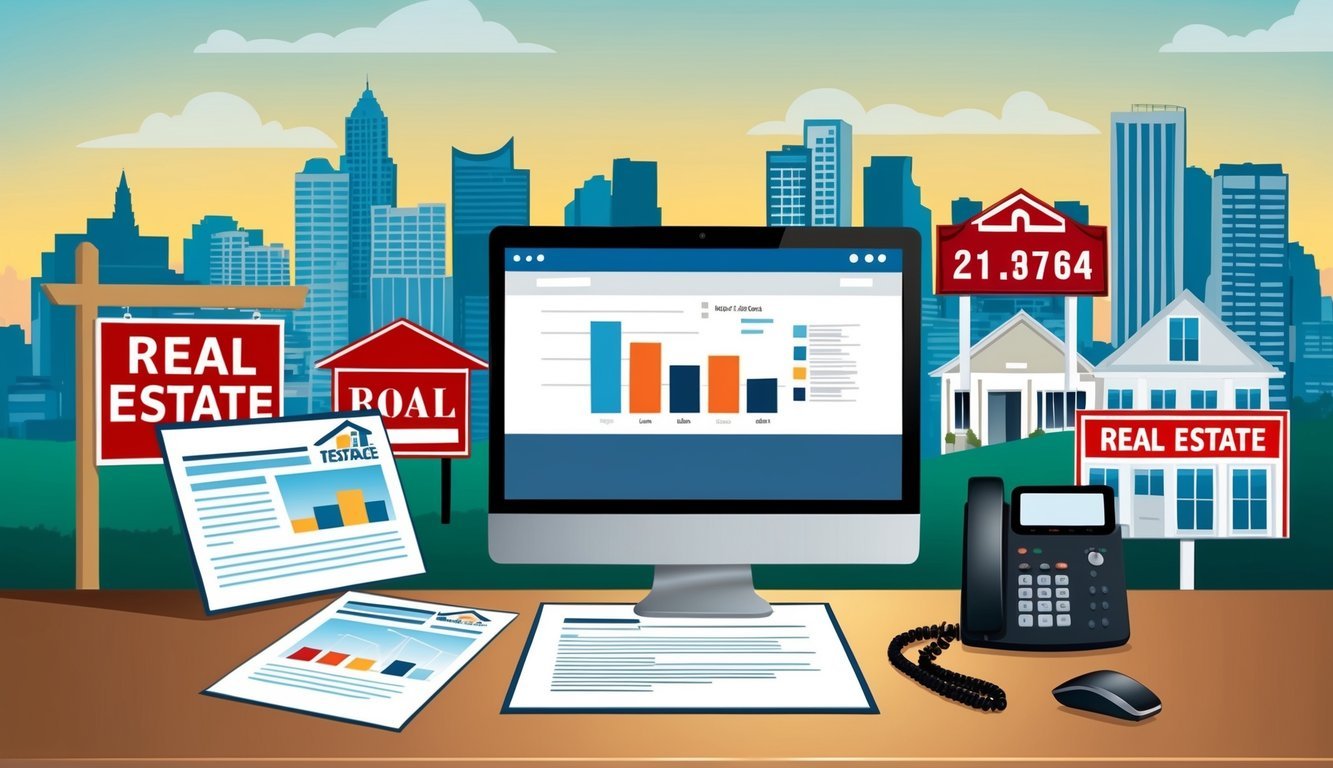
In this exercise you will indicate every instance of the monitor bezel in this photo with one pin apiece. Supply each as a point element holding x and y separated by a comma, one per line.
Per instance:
<point>905,239</point>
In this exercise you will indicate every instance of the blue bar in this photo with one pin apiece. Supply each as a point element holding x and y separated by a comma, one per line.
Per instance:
<point>704,260</point>
<point>605,366</point>
<point>752,330</point>
<point>377,512</point>
<point>684,388</point>
<point>761,395</point>
<point>220,484</point>
<point>239,454</point>
<point>328,516</point>
<point>756,320</point>
<point>246,466</point>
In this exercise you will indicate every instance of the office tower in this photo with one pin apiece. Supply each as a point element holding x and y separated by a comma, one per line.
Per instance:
<point>197,248</point>
<point>372,179</point>
<point>1312,372</point>
<point>1198,231</point>
<point>15,361</point>
<point>830,145</point>
<point>1306,303</point>
<point>488,191</point>
<point>1326,308</point>
<point>1079,212</point>
<point>33,407</point>
<point>634,193</point>
<point>236,259</point>
<point>124,256</point>
<point>322,265</point>
<point>591,206</point>
<point>1147,214</point>
<point>407,267</point>
<point>787,186</point>
<point>1249,274</point>
<point>964,208</point>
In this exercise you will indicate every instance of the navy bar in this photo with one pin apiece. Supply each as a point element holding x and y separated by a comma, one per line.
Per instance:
<point>761,395</point>
<point>684,388</point>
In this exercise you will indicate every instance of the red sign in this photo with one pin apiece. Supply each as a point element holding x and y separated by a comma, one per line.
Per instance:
<point>1020,245</point>
<point>152,372</point>
<point>1181,434</point>
<point>419,383</point>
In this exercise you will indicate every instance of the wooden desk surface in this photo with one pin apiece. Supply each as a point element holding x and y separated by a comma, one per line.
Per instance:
<point>1244,678</point>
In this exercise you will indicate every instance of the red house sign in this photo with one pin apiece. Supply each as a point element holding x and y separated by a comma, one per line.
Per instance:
<point>1020,245</point>
<point>419,383</point>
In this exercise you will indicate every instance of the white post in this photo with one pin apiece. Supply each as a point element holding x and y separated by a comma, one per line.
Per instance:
<point>1187,564</point>
<point>965,343</point>
<point>1071,343</point>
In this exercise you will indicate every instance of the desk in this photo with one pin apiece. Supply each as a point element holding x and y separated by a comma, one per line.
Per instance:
<point>1243,676</point>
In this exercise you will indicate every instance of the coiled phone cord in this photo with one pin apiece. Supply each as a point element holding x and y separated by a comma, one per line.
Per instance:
<point>972,691</point>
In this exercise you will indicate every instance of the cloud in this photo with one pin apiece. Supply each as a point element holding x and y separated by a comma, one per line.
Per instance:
<point>430,26</point>
<point>1023,112</point>
<point>1309,29</point>
<point>212,120</point>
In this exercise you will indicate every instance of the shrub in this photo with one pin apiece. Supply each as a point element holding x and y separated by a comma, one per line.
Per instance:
<point>1038,432</point>
<point>972,439</point>
<point>950,438</point>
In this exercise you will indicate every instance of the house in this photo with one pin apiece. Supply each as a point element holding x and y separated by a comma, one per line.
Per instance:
<point>1017,385</point>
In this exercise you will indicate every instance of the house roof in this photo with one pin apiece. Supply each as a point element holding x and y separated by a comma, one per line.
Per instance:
<point>1257,364</point>
<point>406,345</point>
<point>338,429</point>
<point>1021,318</point>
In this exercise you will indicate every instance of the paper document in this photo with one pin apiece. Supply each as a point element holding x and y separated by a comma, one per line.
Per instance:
<point>365,658</point>
<point>604,658</point>
<point>279,508</point>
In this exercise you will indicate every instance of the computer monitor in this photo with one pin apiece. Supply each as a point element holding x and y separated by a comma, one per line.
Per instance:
<point>702,399</point>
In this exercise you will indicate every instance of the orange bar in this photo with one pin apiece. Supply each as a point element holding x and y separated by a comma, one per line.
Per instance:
<point>304,525</point>
<point>724,384</point>
<point>645,377</point>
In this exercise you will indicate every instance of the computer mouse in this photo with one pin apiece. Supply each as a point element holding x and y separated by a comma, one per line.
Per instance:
<point>1107,692</point>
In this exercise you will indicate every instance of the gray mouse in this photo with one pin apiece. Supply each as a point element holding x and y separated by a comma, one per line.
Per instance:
<point>1107,692</point>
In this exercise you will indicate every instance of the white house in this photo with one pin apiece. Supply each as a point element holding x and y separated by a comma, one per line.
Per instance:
<point>1185,358</point>
<point>1017,385</point>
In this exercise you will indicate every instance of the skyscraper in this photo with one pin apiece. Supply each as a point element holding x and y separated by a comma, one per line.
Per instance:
<point>1147,214</point>
<point>322,256</point>
<point>634,193</point>
<point>1306,303</point>
<point>787,186</point>
<point>488,191</point>
<point>15,361</point>
<point>830,144</point>
<point>235,259</point>
<point>372,179</point>
<point>1198,231</point>
<point>407,267</point>
<point>964,208</point>
<point>124,256</point>
<point>591,206</point>
<point>1249,275</point>
<point>197,248</point>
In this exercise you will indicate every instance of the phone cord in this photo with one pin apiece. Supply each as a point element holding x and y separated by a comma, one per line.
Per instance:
<point>972,691</point>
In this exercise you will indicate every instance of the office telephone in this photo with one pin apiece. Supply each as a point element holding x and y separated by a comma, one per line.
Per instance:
<point>1045,573</point>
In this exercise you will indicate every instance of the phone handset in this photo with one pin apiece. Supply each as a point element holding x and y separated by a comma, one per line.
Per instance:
<point>984,519</point>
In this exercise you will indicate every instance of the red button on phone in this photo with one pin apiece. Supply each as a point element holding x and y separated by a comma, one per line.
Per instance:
<point>1022,550</point>
<point>1061,566</point>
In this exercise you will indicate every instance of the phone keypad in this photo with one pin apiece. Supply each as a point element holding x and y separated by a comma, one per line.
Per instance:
<point>1044,612</point>
<point>1050,585</point>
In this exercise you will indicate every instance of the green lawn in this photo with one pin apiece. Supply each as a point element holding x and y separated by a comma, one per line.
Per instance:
<point>142,546</point>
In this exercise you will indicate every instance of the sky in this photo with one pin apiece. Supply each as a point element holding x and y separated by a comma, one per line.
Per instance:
<point>680,82</point>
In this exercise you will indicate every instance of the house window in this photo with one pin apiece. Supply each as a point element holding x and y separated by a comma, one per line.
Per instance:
<point>1184,339</point>
<point>1249,499</point>
<point>962,410</point>
<point>1120,398</point>
<point>1194,499</point>
<point>1100,476</point>
<point>1163,399</point>
<point>1057,408</point>
<point>1249,398</point>
<point>1203,398</point>
<point>1149,482</point>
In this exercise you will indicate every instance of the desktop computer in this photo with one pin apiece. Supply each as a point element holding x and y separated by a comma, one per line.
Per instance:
<point>703,399</point>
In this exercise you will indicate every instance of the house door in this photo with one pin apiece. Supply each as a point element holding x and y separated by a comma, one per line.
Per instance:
<point>1004,421</point>
<point>1149,503</point>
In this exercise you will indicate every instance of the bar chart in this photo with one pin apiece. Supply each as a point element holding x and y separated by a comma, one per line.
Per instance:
<point>355,646</point>
<point>340,499</point>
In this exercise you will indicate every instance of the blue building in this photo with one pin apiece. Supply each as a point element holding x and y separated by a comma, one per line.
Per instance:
<point>322,265</point>
<point>1198,231</point>
<point>830,145</point>
<point>1307,303</point>
<point>488,192</point>
<point>634,193</point>
<point>372,179</point>
<point>124,256</point>
<point>236,259</point>
<point>407,267</point>
<point>591,206</point>
<point>15,361</point>
<point>1248,287</point>
<point>787,186</point>
<point>1312,370</point>
<point>198,247</point>
<point>33,410</point>
<point>964,208</point>
<point>1147,214</point>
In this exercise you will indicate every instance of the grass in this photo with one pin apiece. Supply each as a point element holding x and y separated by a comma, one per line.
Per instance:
<point>142,546</point>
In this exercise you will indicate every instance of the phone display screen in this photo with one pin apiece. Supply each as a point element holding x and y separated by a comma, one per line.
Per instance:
<point>1061,510</point>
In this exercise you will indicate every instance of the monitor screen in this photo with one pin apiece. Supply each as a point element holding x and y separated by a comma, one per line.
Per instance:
<point>703,373</point>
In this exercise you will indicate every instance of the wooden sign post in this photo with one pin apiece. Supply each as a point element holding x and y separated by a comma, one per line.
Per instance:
<point>86,294</point>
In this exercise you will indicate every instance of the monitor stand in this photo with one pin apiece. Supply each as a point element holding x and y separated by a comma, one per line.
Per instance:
<point>703,591</point>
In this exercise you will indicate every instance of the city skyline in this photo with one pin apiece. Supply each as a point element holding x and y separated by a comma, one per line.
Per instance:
<point>709,168</point>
